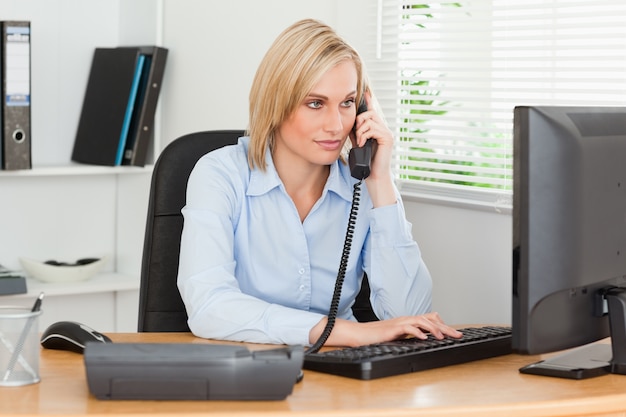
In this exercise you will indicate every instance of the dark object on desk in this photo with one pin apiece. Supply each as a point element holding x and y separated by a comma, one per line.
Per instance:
<point>190,371</point>
<point>411,355</point>
<point>591,360</point>
<point>584,362</point>
<point>69,335</point>
<point>569,272</point>
<point>160,307</point>
<point>11,282</point>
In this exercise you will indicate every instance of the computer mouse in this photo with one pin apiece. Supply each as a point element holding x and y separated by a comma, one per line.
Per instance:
<point>69,335</point>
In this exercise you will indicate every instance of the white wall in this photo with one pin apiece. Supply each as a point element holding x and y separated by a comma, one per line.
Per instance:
<point>215,48</point>
<point>468,252</point>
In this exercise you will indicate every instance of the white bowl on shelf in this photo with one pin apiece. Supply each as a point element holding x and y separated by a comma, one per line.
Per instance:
<point>62,273</point>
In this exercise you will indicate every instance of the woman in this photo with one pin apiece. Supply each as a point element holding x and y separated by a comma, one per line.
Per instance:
<point>265,219</point>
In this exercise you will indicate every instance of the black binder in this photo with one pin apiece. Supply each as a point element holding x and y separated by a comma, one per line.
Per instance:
<point>15,112</point>
<point>117,105</point>
<point>142,126</point>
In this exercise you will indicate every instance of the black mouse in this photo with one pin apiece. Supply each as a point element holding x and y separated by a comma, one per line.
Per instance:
<point>69,335</point>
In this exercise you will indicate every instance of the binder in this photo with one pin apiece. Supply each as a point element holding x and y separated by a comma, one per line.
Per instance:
<point>141,133</point>
<point>131,104</point>
<point>103,119</point>
<point>15,109</point>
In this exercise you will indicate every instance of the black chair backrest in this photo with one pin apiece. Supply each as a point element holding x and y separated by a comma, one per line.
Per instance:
<point>161,308</point>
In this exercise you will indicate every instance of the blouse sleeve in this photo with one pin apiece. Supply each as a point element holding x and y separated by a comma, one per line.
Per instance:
<point>400,282</point>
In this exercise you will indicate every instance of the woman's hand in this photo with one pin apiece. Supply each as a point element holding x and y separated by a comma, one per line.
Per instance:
<point>370,125</point>
<point>349,333</point>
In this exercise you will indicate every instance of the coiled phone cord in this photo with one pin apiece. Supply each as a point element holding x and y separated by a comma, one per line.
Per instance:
<point>341,273</point>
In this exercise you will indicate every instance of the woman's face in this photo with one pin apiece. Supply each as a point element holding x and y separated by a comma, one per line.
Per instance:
<point>315,133</point>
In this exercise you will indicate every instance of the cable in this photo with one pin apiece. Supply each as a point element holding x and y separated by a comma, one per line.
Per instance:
<point>341,273</point>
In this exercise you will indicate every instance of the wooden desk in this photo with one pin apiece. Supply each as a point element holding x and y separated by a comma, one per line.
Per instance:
<point>490,387</point>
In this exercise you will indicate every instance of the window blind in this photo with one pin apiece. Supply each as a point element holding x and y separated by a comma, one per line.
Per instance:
<point>448,75</point>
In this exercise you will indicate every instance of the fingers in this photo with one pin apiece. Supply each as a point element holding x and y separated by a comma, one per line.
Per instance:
<point>432,323</point>
<point>367,129</point>
<point>399,327</point>
<point>369,125</point>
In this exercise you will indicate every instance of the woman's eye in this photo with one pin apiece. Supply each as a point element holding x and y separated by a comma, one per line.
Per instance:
<point>348,103</point>
<point>314,104</point>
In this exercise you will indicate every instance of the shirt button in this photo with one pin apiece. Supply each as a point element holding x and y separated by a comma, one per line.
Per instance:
<point>301,271</point>
<point>301,287</point>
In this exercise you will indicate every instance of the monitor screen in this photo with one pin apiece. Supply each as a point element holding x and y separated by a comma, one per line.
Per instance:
<point>569,227</point>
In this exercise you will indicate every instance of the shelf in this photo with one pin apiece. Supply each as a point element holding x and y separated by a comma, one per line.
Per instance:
<point>105,282</point>
<point>76,169</point>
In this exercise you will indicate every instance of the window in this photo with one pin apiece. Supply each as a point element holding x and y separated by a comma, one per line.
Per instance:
<point>448,74</point>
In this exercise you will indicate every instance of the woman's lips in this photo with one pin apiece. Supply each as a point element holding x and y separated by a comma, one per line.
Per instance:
<point>329,145</point>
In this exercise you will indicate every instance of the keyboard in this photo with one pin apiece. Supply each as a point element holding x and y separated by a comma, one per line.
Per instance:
<point>411,354</point>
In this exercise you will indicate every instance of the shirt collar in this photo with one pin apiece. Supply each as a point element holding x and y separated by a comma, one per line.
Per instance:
<point>262,182</point>
<point>340,181</point>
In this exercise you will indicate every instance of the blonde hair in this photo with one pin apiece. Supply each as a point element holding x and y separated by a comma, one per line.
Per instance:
<point>295,62</point>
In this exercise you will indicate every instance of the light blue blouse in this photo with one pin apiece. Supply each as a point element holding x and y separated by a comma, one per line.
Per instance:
<point>250,270</point>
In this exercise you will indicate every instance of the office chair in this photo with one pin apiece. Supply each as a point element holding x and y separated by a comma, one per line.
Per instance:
<point>161,308</point>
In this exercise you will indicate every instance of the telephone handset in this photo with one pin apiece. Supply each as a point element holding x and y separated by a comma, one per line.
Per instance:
<point>360,159</point>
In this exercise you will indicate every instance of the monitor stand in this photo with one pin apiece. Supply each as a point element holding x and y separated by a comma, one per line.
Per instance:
<point>595,359</point>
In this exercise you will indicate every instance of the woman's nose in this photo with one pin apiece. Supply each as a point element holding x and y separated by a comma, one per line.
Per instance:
<point>334,122</point>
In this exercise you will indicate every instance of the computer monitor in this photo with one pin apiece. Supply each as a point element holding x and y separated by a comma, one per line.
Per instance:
<point>569,238</point>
